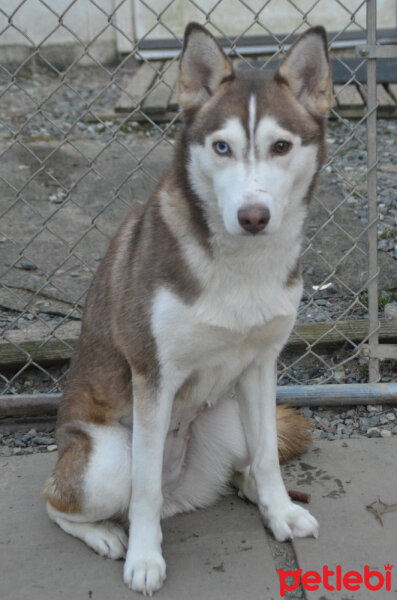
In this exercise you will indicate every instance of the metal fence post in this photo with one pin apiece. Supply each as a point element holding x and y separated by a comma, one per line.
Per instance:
<point>372,197</point>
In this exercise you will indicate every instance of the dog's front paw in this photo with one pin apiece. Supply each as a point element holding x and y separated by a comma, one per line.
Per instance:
<point>144,573</point>
<point>290,521</point>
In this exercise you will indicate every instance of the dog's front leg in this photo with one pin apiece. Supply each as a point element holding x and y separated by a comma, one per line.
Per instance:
<point>144,569</point>
<point>258,412</point>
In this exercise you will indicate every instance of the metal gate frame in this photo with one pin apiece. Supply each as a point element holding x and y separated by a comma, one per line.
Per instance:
<point>373,349</point>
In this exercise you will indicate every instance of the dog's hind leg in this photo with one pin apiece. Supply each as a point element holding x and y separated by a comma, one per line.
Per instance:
<point>218,456</point>
<point>91,485</point>
<point>216,450</point>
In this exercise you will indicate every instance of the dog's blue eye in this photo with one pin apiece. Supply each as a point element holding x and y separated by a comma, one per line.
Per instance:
<point>222,148</point>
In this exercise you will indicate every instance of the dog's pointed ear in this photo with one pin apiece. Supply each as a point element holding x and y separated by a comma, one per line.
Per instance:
<point>203,66</point>
<point>307,71</point>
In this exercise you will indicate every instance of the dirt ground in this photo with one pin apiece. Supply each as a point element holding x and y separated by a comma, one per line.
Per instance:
<point>66,184</point>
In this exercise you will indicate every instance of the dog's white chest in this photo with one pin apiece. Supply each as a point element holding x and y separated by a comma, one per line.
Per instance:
<point>203,349</point>
<point>216,337</point>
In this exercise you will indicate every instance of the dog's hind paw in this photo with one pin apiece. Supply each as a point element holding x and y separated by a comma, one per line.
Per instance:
<point>145,574</point>
<point>107,539</point>
<point>292,521</point>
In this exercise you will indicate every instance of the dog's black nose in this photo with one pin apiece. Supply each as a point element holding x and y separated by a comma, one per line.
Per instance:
<point>253,218</point>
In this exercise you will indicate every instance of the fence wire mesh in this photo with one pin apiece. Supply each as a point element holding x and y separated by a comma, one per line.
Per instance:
<point>72,167</point>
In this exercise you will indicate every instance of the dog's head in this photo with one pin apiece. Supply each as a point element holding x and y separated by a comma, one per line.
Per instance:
<point>254,140</point>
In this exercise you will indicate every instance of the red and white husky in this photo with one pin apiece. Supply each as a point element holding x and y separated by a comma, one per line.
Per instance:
<point>197,293</point>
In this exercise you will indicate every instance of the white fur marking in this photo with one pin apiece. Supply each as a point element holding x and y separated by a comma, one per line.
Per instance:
<point>280,183</point>
<point>251,127</point>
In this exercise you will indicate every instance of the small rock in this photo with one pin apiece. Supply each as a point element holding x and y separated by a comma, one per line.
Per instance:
<point>42,440</point>
<point>373,432</point>
<point>27,266</point>
<point>339,373</point>
<point>19,444</point>
<point>374,420</point>
<point>6,451</point>
<point>320,318</point>
<point>394,430</point>
<point>385,433</point>
<point>383,420</point>
<point>372,408</point>
<point>356,436</point>
<point>391,416</point>
<point>28,450</point>
<point>52,448</point>
<point>307,412</point>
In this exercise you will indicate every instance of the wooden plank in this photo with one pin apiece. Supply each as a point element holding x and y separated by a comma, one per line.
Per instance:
<point>137,87</point>
<point>348,95</point>
<point>392,88</point>
<point>137,117</point>
<point>334,333</point>
<point>163,87</point>
<point>383,96</point>
<point>173,104</point>
<point>58,350</point>
<point>358,112</point>
<point>17,345</point>
<point>124,19</point>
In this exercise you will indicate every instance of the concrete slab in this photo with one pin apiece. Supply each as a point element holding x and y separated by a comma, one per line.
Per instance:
<point>218,553</point>
<point>343,478</point>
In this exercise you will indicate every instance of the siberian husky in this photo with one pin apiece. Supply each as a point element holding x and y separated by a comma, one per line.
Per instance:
<point>197,295</point>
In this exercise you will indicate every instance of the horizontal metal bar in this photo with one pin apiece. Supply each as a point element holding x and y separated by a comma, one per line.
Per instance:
<point>29,405</point>
<point>376,51</point>
<point>346,37</point>
<point>344,394</point>
<point>24,405</point>
<point>240,49</point>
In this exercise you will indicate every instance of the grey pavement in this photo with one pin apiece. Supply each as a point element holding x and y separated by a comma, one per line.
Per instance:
<point>223,552</point>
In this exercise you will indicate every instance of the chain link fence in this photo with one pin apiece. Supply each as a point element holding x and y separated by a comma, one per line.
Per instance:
<point>81,144</point>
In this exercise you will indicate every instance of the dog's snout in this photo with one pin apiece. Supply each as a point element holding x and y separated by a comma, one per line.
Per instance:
<point>253,218</point>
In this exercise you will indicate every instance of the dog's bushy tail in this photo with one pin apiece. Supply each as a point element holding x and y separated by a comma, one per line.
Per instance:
<point>293,433</point>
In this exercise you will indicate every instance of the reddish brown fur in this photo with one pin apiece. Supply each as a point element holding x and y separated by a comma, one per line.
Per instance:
<point>293,433</point>
<point>116,334</point>
<point>63,489</point>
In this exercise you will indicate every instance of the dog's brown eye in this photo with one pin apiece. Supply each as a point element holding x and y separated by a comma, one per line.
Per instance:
<point>281,147</point>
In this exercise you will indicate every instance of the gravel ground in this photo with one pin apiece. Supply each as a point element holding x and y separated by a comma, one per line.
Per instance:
<point>348,165</point>
<point>331,424</point>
